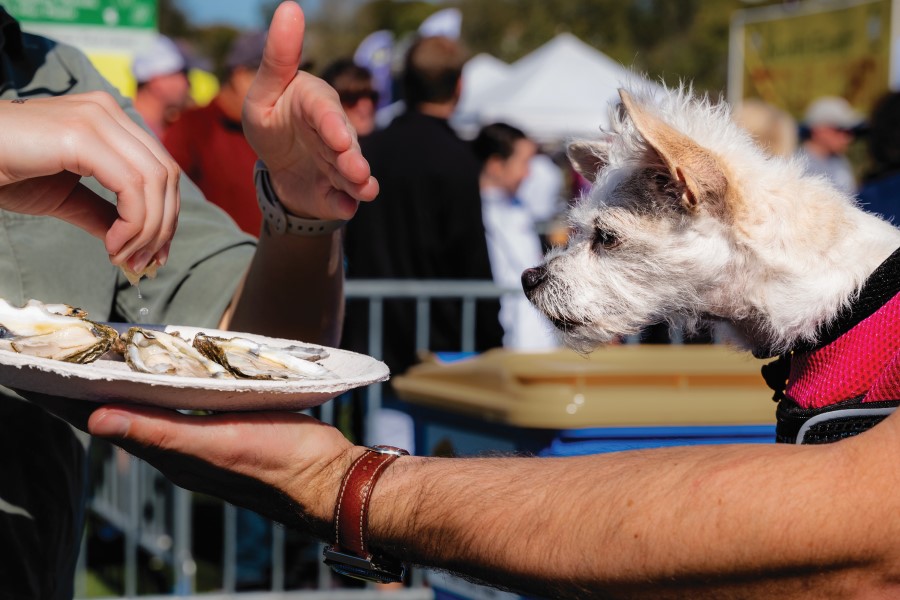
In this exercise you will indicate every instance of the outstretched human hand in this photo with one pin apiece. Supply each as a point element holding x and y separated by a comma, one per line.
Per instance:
<point>47,144</point>
<point>286,466</point>
<point>295,123</point>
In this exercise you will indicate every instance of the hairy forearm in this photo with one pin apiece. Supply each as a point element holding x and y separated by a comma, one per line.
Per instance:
<point>724,522</point>
<point>293,289</point>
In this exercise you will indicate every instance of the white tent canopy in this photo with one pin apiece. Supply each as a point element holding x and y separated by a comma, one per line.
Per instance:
<point>562,89</point>
<point>480,74</point>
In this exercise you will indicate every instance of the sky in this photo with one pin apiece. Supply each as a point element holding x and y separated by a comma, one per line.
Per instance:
<point>243,14</point>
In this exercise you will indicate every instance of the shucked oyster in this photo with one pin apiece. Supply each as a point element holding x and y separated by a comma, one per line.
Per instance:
<point>59,309</point>
<point>161,353</point>
<point>56,331</point>
<point>250,360</point>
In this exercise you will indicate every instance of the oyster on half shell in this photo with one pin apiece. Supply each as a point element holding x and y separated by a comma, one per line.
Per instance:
<point>247,359</point>
<point>56,331</point>
<point>59,309</point>
<point>167,354</point>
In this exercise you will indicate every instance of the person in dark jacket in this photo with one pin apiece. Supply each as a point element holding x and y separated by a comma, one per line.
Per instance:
<point>427,223</point>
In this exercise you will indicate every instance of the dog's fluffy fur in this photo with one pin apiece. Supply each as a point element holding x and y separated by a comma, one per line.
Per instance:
<point>689,221</point>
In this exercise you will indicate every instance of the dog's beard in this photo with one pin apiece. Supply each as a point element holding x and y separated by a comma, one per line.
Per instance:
<point>581,330</point>
<point>592,313</point>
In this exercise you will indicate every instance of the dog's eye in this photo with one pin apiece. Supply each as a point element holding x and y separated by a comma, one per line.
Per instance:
<point>606,239</point>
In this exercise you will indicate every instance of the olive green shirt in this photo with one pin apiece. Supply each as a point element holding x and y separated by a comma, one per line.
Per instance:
<point>42,464</point>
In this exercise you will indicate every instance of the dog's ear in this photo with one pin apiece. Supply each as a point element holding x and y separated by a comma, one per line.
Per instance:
<point>588,157</point>
<point>688,162</point>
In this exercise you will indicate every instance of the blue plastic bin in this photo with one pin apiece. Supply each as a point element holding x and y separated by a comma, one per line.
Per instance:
<point>563,404</point>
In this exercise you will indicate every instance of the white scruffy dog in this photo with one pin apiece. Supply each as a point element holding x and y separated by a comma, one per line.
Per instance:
<point>689,221</point>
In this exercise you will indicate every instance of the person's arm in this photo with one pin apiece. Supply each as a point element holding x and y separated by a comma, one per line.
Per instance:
<point>296,125</point>
<point>690,522</point>
<point>738,521</point>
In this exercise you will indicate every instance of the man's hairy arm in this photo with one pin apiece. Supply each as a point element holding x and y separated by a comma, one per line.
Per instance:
<point>738,521</point>
<point>293,289</point>
<point>690,522</point>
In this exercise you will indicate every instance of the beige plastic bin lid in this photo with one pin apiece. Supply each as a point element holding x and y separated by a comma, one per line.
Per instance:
<point>627,385</point>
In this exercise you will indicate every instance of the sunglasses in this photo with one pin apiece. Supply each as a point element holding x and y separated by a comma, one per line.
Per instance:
<point>351,99</point>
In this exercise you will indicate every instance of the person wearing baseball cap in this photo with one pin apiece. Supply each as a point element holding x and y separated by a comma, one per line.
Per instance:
<point>208,142</point>
<point>829,126</point>
<point>163,89</point>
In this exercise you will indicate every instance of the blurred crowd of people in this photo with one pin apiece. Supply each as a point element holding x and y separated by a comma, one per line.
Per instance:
<point>449,209</point>
<point>823,138</point>
<point>479,209</point>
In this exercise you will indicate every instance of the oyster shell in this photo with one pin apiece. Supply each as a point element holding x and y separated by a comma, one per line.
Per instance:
<point>251,360</point>
<point>59,309</point>
<point>162,353</point>
<point>56,331</point>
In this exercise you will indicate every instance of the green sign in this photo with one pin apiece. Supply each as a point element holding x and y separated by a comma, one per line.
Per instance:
<point>104,13</point>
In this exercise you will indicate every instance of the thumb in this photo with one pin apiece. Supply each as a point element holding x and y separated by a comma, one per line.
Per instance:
<point>281,57</point>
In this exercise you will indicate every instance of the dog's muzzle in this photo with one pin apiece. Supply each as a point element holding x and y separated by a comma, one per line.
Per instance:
<point>533,278</point>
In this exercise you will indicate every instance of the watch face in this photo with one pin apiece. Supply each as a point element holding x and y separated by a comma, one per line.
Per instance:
<point>364,569</point>
<point>366,574</point>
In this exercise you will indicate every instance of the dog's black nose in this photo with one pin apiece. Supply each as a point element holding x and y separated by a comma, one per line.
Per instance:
<point>532,278</point>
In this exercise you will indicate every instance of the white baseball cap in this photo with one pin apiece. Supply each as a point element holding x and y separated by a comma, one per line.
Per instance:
<point>832,111</point>
<point>162,57</point>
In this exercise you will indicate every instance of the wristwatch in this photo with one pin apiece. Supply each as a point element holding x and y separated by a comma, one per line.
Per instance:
<point>350,555</point>
<point>277,218</point>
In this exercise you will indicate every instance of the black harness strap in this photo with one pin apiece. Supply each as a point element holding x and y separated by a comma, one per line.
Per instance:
<point>796,425</point>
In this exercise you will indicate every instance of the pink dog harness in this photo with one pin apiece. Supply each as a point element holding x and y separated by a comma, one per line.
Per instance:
<point>850,380</point>
<point>864,363</point>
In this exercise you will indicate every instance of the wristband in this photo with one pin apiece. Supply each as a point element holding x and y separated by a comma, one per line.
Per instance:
<point>350,555</point>
<point>277,218</point>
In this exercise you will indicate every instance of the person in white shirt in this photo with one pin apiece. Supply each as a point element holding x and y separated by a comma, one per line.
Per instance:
<point>513,243</point>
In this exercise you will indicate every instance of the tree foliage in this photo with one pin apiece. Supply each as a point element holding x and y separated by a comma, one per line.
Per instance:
<point>673,40</point>
<point>670,39</point>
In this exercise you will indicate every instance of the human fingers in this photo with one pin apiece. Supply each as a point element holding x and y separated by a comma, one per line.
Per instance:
<point>257,444</point>
<point>281,58</point>
<point>87,135</point>
<point>342,174</point>
<point>172,199</point>
<point>334,129</point>
<point>84,135</point>
<point>255,460</point>
<point>140,189</point>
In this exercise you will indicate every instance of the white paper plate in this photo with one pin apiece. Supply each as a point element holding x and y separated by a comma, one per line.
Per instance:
<point>113,381</point>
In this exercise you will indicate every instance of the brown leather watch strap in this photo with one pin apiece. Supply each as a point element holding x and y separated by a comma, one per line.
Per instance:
<point>351,512</point>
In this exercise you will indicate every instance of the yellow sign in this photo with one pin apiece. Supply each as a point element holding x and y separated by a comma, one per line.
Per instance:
<point>116,68</point>
<point>794,54</point>
<point>110,32</point>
